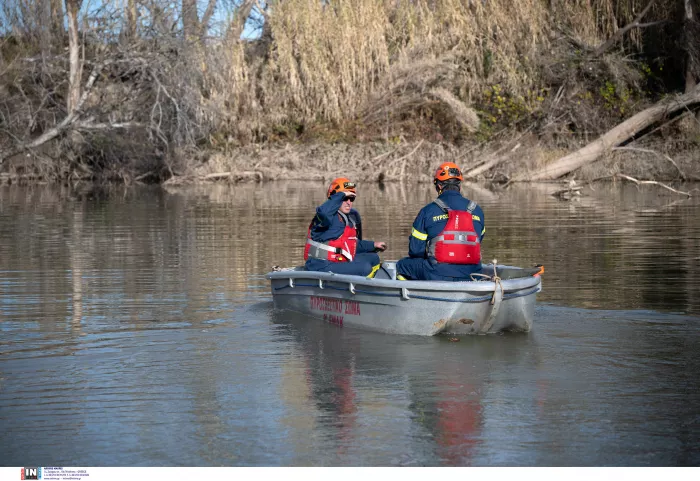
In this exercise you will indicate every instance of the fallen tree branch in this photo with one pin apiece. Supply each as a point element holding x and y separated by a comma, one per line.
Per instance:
<point>612,138</point>
<point>696,115</point>
<point>143,176</point>
<point>665,124</point>
<point>217,175</point>
<point>90,125</point>
<point>409,154</point>
<point>403,166</point>
<point>567,194</point>
<point>490,164</point>
<point>236,176</point>
<point>653,182</point>
<point>381,156</point>
<point>465,116</point>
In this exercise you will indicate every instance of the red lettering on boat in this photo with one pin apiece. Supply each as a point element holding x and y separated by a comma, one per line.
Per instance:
<point>352,308</point>
<point>334,319</point>
<point>326,304</point>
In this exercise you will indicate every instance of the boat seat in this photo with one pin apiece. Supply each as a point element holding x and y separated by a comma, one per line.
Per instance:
<point>386,271</point>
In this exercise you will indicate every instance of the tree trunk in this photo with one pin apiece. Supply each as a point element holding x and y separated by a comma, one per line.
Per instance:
<point>190,19</point>
<point>132,18</point>
<point>690,58</point>
<point>57,20</point>
<point>74,76</point>
<point>206,18</point>
<point>240,17</point>
<point>613,138</point>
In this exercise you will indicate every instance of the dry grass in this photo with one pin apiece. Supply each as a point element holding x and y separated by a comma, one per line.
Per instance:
<point>348,59</point>
<point>381,64</point>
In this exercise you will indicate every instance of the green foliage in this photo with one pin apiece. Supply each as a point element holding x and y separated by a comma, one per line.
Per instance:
<point>498,107</point>
<point>484,133</point>
<point>616,99</point>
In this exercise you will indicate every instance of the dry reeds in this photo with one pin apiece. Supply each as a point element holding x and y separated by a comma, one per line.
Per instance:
<point>335,61</point>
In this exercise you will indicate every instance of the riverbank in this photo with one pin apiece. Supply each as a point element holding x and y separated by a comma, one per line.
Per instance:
<point>414,161</point>
<point>381,91</point>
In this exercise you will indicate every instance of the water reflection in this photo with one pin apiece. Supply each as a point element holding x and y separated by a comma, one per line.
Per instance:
<point>425,397</point>
<point>617,247</point>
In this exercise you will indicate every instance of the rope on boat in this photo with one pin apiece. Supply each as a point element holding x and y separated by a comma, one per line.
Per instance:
<point>413,296</point>
<point>496,300</point>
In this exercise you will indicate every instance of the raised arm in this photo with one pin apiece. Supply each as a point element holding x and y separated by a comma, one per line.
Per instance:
<point>326,211</point>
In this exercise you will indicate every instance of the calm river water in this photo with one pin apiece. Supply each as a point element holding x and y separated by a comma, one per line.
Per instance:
<point>136,328</point>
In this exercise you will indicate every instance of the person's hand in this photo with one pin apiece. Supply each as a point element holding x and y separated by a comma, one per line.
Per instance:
<point>380,246</point>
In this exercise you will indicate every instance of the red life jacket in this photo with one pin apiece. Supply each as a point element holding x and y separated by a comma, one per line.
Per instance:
<point>458,243</point>
<point>341,249</point>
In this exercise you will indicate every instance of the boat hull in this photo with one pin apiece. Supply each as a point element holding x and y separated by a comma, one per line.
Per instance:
<point>409,307</point>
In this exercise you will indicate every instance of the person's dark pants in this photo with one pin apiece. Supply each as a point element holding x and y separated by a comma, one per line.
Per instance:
<point>421,269</point>
<point>361,265</point>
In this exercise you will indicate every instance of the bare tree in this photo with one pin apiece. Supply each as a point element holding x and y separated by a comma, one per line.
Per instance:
<point>192,26</point>
<point>237,25</point>
<point>690,31</point>
<point>190,19</point>
<point>57,19</point>
<point>206,18</point>
<point>74,77</point>
<point>132,18</point>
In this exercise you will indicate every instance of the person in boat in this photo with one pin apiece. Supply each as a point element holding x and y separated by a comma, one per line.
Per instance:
<point>334,240</point>
<point>445,241</point>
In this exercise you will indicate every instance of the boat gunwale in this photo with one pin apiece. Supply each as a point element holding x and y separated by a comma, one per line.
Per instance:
<point>509,285</point>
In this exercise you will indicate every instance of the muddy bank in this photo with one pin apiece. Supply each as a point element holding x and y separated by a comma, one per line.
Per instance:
<point>663,158</point>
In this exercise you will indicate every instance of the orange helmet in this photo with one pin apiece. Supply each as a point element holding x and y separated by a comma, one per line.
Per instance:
<point>447,171</point>
<point>341,184</point>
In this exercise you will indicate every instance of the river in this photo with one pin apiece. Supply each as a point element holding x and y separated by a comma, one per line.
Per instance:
<point>137,329</point>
